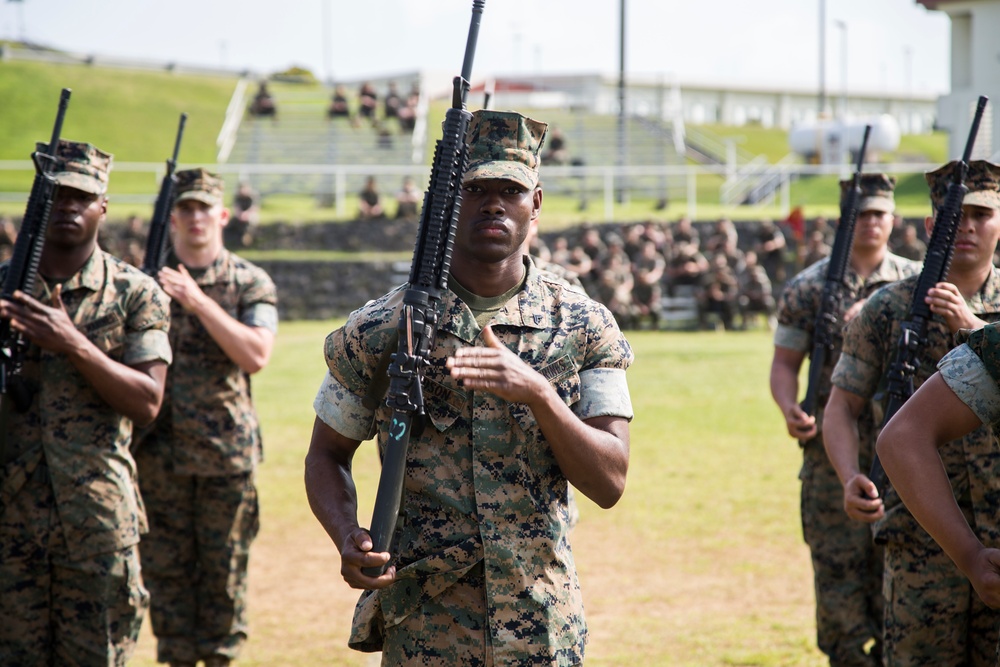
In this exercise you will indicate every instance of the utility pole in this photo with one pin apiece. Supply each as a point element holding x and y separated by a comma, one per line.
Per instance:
<point>822,57</point>
<point>622,134</point>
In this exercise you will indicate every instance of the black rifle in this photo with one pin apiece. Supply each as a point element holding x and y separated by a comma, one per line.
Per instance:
<point>831,300</point>
<point>913,334</point>
<point>23,267</point>
<point>418,318</point>
<point>159,226</point>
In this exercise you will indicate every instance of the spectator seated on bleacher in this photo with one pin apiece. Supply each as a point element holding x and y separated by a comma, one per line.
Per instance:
<point>755,293</point>
<point>367,101</point>
<point>648,269</point>
<point>407,200</point>
<point>719,294</point>
<point>338,104</point>
<point>816,248</point>
<point>263,103</point>
<point>407,114</point>
<point>911,247</point>
<point>239,231</point>
<point>614,288</point>
<point>686,269</point>
<point>393,102</point>
<point>556,152</point>
<point>370,201</point>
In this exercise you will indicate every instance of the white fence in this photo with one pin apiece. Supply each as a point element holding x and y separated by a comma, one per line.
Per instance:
<point>607,185</point>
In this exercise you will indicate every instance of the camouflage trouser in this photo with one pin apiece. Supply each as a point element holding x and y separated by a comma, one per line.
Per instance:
<point>55,610</point>
<point>194,559</point>
<point>448,630</point>
<point>933,615</point>
<point>847,567</point>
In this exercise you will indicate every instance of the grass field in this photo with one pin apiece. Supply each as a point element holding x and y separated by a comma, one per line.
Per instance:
<point>700,564</point>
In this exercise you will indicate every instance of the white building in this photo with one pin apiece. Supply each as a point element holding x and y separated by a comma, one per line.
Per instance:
<point>702,103</point>
<point>975,71</point>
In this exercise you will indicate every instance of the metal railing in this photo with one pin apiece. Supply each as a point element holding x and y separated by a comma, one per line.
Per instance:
<point>592,184</point>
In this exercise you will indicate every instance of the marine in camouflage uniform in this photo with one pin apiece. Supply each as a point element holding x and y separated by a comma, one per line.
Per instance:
<point>932,616</point>
<point>847,566</point>
<point>525,393</point>
<point>71,591</point>
<point>954,402</point>
<point>196,466</point>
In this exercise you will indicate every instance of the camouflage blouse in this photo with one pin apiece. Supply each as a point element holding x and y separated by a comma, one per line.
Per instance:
<point>208,425</point>
<point>870,346</point>
<point>800,303</point>
<point>84,441</point>
<point>482,485</point>
<point>972,371</point>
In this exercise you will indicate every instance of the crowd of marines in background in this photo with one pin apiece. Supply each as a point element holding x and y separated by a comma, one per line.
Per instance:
<point>734,277</point>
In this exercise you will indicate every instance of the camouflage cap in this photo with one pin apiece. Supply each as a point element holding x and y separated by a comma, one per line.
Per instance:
<point>983,181</point>
<point>876,192</point>
<point>198,184</point>
<point>504,144</point>
<point>80,165</point>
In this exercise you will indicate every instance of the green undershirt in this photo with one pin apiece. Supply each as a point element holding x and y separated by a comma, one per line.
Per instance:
<point>485,307</point>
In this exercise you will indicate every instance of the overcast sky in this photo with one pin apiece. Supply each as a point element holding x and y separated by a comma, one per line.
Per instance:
<point>894,44</point>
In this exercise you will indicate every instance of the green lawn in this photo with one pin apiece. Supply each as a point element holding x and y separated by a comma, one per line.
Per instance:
<point>701,564</point>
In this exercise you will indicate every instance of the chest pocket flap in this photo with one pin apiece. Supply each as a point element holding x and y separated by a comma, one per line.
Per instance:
<point>107,332</point>
<point>564,378</point>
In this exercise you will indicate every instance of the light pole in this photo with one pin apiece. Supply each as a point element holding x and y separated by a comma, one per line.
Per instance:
<point>327,57</point>
<point>908,66</point>
<point>822,57</point>
<point>843,67</point>
<point>622,131</point>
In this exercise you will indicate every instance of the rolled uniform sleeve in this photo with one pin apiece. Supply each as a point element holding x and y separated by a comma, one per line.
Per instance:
<point>263,315</point>
<point>339,402</point>
<point>603,392</point>
<point>797,309</point>
<point>343,411</point>
<point>792,338</point>
<point>603,388</point>
<point>966,375</point>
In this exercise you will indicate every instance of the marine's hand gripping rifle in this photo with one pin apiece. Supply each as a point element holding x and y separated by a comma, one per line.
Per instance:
<point>418,318</point>
<point>159,226</point>
<point>913,334</point>
<point>23,268</point>
<point>827,318</point>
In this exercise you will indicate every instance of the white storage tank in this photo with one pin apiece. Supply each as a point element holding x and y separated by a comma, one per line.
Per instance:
<point>819,141</point>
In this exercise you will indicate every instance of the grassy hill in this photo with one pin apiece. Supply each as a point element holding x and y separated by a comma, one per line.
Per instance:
<point>132,114</point>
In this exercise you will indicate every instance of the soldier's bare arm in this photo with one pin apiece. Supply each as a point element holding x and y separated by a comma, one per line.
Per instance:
<point>908,448</point>
<point>843,444</point>
<point>592,454</point>
<point>133,391</point>
<point>334,501</point>
<point>785,389</point>
<point>248,347</point>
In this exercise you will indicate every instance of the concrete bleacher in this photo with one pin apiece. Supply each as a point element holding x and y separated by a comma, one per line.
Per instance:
<point>302,134</point>
<point>592,141</point>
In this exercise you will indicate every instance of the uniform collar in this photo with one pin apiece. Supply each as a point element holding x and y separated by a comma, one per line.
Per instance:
<point>523,310</point>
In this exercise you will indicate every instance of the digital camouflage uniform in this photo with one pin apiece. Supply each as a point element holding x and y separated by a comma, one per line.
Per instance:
<point>933,616</point>
<point>196,469</point>
<point>847,567</point>
<point>71,590</point>
<point>972,370</point>
<point>485,574</point>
